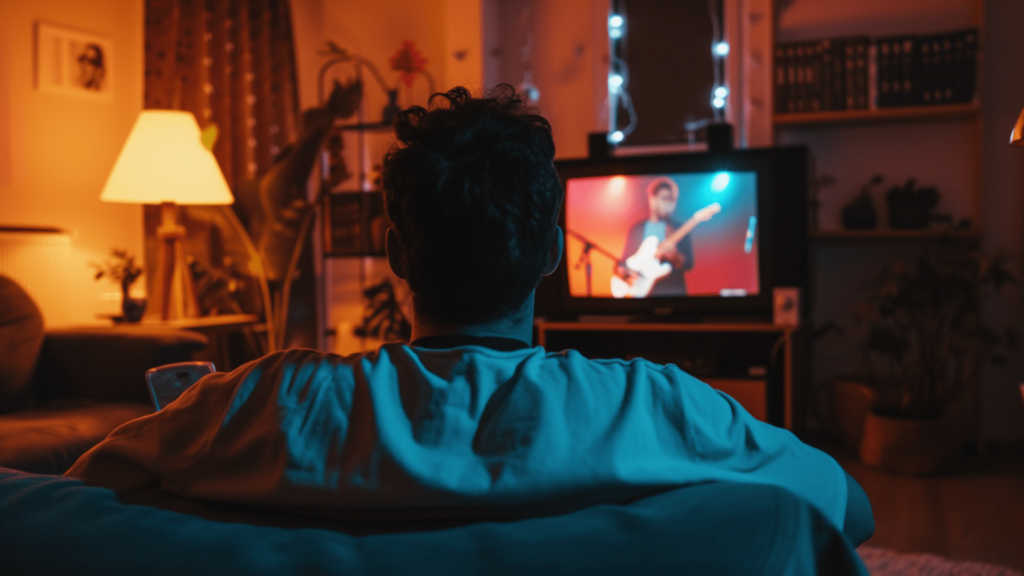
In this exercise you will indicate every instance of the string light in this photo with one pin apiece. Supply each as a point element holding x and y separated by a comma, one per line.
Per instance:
<point>616,23</point>
<point>615,82</point>
<point>618,78</point>
<point>719,49</point>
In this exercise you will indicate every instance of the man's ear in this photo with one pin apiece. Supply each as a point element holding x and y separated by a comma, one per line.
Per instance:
<point>396,254</point>
<point>555,251</point>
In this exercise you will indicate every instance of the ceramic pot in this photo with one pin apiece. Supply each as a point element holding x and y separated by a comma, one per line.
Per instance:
<point>133,308</point>
<point>851,401</point>
<point>917,446</point>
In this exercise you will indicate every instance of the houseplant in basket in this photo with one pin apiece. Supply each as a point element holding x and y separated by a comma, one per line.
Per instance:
<point>925,344</point>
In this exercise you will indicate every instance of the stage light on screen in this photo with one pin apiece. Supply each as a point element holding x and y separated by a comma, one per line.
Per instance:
<point>617,185</point>
<point>721,48</point>
<point>718,102</point>
<point>615,82</point>
<point>721,92</point>
<point>720,182</point>
<point>616,137</point>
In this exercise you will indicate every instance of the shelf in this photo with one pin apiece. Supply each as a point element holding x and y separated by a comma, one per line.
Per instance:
<point>891,234</point>
<point>939,112</point>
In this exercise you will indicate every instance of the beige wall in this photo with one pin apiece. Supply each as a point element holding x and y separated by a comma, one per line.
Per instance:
<point>56,150</point>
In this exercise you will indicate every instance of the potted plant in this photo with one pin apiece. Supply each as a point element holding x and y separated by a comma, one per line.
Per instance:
<point>910,205</point>
<point>121,268</point>
<point>925,344</point>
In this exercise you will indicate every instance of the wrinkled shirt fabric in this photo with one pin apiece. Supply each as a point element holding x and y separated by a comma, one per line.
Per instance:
<point>417,432</point>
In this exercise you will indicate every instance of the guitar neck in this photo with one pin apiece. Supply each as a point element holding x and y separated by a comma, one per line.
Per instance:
<point>681,233</point>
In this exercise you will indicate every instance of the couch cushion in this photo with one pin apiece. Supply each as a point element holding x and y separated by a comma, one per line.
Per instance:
<point>49,439</point>
<point>59,526</point>
<point>21,338</point>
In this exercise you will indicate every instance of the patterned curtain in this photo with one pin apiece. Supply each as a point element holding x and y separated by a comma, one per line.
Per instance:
<point>230,63</point>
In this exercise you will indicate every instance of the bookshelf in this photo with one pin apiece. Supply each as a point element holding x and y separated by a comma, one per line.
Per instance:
<point>886,234</point>
<point>937,144</point>
<point>901,114</point>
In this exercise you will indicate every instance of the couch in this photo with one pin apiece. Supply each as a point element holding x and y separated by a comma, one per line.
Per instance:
<point>64,390</point>
<point>58,525</point>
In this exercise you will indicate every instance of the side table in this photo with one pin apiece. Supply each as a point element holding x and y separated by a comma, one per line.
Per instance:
<point>219,329</point>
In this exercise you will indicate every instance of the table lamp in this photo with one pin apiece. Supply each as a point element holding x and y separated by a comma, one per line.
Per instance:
<point>164,162</point>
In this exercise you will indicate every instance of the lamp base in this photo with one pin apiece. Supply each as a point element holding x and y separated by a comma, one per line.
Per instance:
<point>176,295</point>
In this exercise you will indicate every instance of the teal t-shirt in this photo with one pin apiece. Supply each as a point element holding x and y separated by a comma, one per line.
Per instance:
<point>417,431</point>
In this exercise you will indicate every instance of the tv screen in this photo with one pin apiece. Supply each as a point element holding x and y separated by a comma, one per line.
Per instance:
<point>687,237</point>
<point>663,235</point>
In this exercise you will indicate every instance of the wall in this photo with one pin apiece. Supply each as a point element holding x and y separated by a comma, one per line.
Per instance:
<point>56,150</point>
<point>473,43</point>
<point>447,34</point>
<point>568,61</point>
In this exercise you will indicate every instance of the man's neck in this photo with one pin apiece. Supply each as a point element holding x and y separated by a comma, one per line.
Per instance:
<point>518,326</point>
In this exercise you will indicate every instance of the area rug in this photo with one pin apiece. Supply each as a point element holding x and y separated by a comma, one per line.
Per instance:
<point>883,562</point>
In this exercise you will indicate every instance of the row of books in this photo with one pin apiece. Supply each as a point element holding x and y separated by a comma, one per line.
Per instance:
<point>859,73</point>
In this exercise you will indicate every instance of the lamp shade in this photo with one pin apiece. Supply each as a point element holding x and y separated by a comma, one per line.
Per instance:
<point>164,160</point>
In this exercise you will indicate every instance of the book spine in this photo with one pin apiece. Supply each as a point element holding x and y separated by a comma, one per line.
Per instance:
<point>924,88</point>
<point>964,64</point>
<point>872,75</point>
<point>948,69</point>
<point>908,63</point>
<point>825,77</point>
<point>781,92</point>
<point>849,73</point>
<point>814,73</point>
<point>802,98</point>
<point>883,49</point>
<point>839,74</point>
<point>791,85</point>
<point>861,72</point>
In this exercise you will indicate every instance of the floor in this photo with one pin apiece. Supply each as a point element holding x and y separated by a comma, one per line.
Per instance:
<point>975,513</point>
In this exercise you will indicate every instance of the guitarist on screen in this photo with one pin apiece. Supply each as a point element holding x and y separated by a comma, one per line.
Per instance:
<point>654,268</point>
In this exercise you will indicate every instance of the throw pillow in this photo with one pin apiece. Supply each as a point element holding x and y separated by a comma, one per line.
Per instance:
<point>21,338</point>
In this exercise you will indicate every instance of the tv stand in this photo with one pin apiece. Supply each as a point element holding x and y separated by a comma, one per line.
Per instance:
<point>752,362</point>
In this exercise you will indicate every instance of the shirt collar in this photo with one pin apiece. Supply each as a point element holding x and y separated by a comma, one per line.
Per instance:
<point>456,340</point>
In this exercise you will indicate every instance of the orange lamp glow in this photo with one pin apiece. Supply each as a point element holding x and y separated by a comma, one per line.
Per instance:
<point>164,162</point>
<point>1017,136</point>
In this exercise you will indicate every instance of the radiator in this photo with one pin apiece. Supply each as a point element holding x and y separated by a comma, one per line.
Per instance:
<point>39,259</point>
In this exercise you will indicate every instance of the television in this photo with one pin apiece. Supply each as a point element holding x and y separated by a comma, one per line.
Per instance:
<point>682,237</point>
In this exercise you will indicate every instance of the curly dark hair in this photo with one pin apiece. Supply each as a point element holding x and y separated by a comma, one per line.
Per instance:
<point>473,196</point>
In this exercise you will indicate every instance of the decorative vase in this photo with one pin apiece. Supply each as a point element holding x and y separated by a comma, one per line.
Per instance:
<point>133,308</point>
<point>860,213</point>
<point>851,401</point>
<point>918,446</point>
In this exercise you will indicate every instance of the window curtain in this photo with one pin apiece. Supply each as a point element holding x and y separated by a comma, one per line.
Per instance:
<point>230,63</point>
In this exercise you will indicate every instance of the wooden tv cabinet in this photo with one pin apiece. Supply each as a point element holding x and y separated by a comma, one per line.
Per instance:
<point>753,363</point>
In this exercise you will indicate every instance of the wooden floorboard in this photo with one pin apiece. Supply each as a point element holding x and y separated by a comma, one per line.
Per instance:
<point>974,513</point>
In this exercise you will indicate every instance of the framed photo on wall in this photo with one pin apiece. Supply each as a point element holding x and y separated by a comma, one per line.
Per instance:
<point>73,62</point>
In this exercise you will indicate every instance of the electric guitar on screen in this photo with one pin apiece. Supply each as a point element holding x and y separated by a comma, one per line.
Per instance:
<point>646,267</point>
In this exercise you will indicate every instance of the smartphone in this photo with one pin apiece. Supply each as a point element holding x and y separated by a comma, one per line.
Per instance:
<point>169,381</point>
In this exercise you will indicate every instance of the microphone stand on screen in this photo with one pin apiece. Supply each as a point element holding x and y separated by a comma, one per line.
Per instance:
<point>584,259</point>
